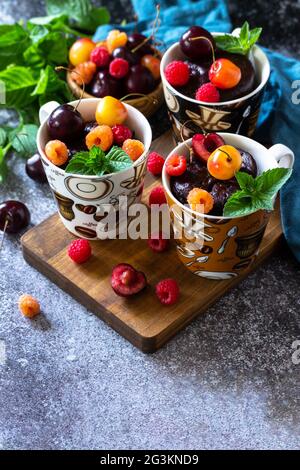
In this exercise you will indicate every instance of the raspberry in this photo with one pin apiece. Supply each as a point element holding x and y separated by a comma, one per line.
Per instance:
<point>176,165</point>
<point>157,196</point>
<point>100,56</point>
<point>79,250</point>
<point>126,280</point>
<point>133,148</point>
<point>157,243</point>
<point>118,68</point>
<point>57,152</point>
<point>197,197</point>
<point>177,73</point>
<point>100,136</point>
<point>28,306</point>
<point>208,92</point>
<point>121,133</point>
<point>84,73</point>
<point>115,39</point>
<point>155,163</point>
<point>167,291</point>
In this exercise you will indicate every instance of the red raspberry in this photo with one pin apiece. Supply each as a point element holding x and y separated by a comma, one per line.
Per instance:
<point>177,73</point>
<point>118,68</point>
<point>157,196</point>
<point>100,56</point>
<point>79,250</point>
<point>167,291</point>
<point>155,163</point>
<point>157,243</point>
<point>208,92</point>
<point>121,133</point>
<point>176,165</point>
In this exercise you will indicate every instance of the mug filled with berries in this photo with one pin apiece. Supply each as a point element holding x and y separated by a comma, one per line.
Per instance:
<point>221,189</point>
<point>215,82</point>
<point>93,151</point>
<point>123,66</point>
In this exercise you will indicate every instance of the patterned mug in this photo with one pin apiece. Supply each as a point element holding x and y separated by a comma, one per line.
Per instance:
<point>237,116</point>
<point>221,247</point>
<point>80,197</point>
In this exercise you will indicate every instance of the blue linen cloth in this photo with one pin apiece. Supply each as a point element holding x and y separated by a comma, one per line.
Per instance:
<point>279,118</point>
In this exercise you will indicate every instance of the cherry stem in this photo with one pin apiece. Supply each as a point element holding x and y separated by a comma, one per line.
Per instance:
<point>4,232</point>
<point>183,139</point>
<point>60,67</point>
<point>152,100</point>
<point>226,153</point>
<point>210,43</point>
<point>154,31</point>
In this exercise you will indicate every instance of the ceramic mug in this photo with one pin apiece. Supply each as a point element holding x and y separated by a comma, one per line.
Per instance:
<point>80,197</point>
<point>237,116</point>
<point>218,247</point>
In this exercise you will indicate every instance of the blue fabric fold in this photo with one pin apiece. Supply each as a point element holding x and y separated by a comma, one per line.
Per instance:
<point>279,118</point>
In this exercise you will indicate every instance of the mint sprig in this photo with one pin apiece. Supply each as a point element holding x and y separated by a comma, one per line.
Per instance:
<point>96,163</point>
<point>239,44</point>
<point>256,193</point>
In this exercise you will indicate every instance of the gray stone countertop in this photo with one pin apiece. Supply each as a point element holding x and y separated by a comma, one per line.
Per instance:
<point>67,381</point>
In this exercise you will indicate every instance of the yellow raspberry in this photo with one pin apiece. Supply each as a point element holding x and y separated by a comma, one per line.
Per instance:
<point>28,306</point>
<point>197,197</point>
<point>134,148</point>
<point>57,152</point>
<point>84,72</point>
<point>115,39</point>
<point>100,136</point>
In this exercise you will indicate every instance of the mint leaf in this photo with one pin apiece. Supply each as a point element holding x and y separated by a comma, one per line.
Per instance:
<point>270,181</point>
<point>85,15</point>
<point>239,44</point>
<point>3,166</point>
<point>13,41</point>
<point>3,136</point>
<point>256,193</point>
<point>19,83</point>
<point>23,140</point>
<point>96,163</point>
<point>118,160</point>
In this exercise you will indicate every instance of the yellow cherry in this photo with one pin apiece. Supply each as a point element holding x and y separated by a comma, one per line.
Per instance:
<point>81,50</point>
<point>110,111</point>
<point>224,162</point>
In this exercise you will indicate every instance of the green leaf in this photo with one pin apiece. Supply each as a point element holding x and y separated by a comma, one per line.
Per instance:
<point>118,159</point>
<point>13,42</point>
<point>256,193</point>
<point>3,167</point>
<point>50,20</point>
<point>50,85</point>
<point>82,11</point>
<point>270,181</point>
<point>19,83</point>
<point>3,136</point>
<point>239,44</point>
<point>24,140</point>
<point>50,48</point>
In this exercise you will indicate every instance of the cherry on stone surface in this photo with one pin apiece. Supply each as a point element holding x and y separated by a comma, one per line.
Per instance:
<point>197,49</point>
<point>124,53</point>
<point>14,216</point>
<point>139,80</point>
<point>65,122</point>
<point>34,168</point>
<point>105,85</point>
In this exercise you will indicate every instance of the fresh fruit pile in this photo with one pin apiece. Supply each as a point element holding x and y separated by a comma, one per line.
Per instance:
<point>118,66</point>
<point>216,69</point>
<point>221,180</point>
<point>103,146</point>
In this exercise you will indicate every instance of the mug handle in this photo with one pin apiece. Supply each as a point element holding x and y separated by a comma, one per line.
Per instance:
<point>46,110</point>
<point>283,155</point>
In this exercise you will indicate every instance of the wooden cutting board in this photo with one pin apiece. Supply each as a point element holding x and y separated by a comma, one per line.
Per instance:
<point>140,319</point>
